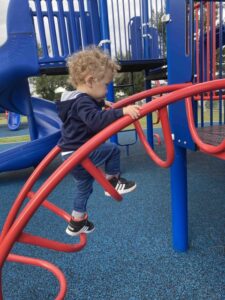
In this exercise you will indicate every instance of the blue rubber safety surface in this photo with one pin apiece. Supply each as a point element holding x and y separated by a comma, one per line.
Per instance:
<point>129,256</point>
<point>5,132</point>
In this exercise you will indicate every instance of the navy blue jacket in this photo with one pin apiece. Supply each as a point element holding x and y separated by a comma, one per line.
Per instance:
<point>82,118</point>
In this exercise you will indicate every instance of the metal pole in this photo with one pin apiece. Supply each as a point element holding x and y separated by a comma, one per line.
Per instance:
<point>146,40</point>
<point>178,174</point>
<point>105,43</point>
<point>145,27</point>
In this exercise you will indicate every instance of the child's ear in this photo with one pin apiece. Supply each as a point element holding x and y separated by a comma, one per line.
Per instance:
<point>89,80</point>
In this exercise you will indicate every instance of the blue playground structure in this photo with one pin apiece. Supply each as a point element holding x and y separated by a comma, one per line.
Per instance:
<point>59,30</point>
<point>181,41</point>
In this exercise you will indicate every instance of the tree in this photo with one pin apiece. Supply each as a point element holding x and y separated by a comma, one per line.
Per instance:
<point>45,86</point>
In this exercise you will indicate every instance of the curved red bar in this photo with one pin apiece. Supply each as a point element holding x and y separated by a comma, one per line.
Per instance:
<point>149,93</point>
<point>52,207</point>
<point>46,265</point>
<point>100,178</point>
<point>210,149</point>
<point>35,240</point>
<point>167,137</point>
<point>26,188</point>
<point>51,244</point>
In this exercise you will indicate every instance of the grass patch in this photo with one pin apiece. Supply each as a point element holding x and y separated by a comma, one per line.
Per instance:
<point>3,119</point>
<point>14,139</point>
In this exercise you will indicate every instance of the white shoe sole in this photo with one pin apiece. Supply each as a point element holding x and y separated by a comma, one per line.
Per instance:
<point>79,232</point>
<point>124,191</point>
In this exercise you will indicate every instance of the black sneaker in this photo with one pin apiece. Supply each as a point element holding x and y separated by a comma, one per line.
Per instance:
<point>122,185</point>
<point>75,228</point>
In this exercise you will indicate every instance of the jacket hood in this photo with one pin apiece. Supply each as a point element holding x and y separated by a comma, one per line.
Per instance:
<point>68,98</point>
<point>69,95</point>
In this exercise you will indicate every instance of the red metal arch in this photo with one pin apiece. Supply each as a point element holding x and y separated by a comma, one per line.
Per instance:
<point>12,229</point>
<point>218,150</point>
<point>14,226</point>
<point>45,265</point>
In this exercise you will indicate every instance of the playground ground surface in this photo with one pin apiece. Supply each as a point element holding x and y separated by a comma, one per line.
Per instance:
<point>130,254</point>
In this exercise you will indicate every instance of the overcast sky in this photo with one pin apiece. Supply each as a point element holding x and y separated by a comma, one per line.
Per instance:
<point>3,9</point>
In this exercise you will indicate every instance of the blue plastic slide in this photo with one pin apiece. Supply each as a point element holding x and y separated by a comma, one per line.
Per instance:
<point>29,154</point>
<point>13,120</point>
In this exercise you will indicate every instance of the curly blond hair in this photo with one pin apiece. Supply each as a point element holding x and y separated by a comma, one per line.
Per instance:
<point>92,61</point>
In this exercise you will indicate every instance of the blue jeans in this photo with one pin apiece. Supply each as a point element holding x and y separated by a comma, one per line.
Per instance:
<point>107,155</point>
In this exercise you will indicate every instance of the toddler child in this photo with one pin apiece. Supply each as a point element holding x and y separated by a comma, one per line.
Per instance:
<point>90,71</point>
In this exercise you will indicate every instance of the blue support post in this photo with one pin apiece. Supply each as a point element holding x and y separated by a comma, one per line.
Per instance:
<point>41,28</point>
<point>178,174</point>
<point>145,26</point>
<point>135,38</point>
<point>146,39</point>
<point>211,60</point>
<point>95,24</point>
<point>53,37</point>
<point>106,47</point>
<point>74,31</point>
<point>150,140</point>
<point>220,59</point>
<point>179,58</point>
<point>83,23</point>
<point>62,29</point>
<point>202,61</point>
